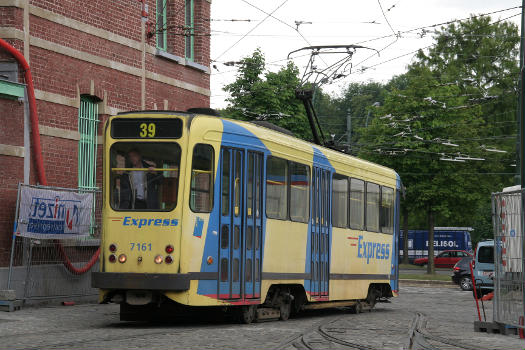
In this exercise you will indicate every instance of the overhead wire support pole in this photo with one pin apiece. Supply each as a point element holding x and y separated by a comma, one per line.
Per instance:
<point>521,119</point>
<point>521,100</point>
<point>348,129</point>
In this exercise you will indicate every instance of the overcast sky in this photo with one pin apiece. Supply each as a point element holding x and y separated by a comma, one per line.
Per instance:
<point>332,22</point>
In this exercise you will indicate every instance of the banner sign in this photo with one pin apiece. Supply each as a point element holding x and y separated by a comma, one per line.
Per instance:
<point>52,214</point>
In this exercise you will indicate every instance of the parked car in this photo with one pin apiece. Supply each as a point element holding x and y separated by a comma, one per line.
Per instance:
<point>461,273</point>
<point>447,258</point>
<point>483,267</point>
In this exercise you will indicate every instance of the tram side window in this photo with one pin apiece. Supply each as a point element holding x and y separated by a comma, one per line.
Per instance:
<point>372,207</point>
<point>339,200</point>
<point>144,176</point>
<point>387,210</point>
<point>299,192</point>
<point>357,204</point>
<point>276,188</point>
<point>201,195</point>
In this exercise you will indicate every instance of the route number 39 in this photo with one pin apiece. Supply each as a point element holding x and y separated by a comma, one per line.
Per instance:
<point>147,130</point>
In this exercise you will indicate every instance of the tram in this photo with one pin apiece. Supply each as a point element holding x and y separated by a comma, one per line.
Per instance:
<point>206,211</point>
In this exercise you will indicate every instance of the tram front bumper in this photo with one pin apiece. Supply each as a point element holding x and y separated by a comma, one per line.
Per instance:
<point>142,281</point>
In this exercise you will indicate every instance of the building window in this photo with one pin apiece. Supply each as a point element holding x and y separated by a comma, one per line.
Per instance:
<point>357,204</point>
<point>162,37</point>
<point>276,188</point>
<point>372,207</point>
<point>190,30</point>
<point>387,210</point>
<point>87,145</point>
<point>201,197</point>
<point>339,200</point>
<point>299,192</point>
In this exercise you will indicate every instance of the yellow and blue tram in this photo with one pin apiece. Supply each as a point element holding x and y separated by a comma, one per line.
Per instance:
<point>205,211</point>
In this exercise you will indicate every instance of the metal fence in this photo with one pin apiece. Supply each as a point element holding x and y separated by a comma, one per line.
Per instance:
<point>507,212</point>
<point>55,268</point>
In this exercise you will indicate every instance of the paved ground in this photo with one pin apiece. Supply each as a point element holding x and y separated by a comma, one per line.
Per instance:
<point>448,313</point>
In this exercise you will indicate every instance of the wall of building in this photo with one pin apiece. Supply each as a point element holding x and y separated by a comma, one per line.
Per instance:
<point>100,48</point>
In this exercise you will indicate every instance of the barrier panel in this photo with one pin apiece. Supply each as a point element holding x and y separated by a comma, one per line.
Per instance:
<point>55,243</point>
<point>507,213</point>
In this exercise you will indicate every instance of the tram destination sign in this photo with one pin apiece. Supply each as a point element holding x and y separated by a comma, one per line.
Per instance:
<point>146,128</point>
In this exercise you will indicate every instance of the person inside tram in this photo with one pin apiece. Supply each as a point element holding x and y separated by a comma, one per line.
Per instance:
<point>139,189</point>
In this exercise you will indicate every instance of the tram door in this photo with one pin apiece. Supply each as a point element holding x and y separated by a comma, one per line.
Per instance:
<point>320,233</point>
<point>240,225</point>
<point>253,239</point>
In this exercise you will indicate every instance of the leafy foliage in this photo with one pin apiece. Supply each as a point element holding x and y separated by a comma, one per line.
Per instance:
<point>456,102</point>
<point>453,103</point>
<point>257,94</point>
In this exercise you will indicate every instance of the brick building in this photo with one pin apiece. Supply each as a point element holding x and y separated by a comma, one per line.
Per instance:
<point>91,59</point>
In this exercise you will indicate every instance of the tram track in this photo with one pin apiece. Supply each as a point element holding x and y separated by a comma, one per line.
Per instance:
<point>421,339</point>
<point>323,335</point>
<point>304,340</point>
<point>324,332</point>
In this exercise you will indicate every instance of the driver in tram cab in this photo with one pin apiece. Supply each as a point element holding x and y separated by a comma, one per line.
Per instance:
<point>139,189</point>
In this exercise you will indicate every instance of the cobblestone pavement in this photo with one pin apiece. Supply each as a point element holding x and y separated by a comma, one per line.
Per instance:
<point>449,314</point>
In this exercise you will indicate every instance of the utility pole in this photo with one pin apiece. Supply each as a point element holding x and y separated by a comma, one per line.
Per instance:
<point>376,104</point>
<point>520,168</point>
<point>349,128</point>
<point>521,121</point>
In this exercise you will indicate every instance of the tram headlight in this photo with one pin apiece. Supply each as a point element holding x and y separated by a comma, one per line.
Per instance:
<point>122,258</point>
<point>158,259</point>
<point>169,249</point>
<point>113,247</point>
<point>112,258</point>
<point>168,259</point>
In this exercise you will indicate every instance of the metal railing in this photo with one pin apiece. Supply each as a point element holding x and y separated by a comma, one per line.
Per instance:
<point>509,294</point>
<point>43,268</point>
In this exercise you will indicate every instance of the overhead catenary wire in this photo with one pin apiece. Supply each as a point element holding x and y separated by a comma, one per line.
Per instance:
<point>440,24</point>
<point>423,48</point>
<point>385,17</point>
<point>413,30</point>
<point>364,67</point>
<point>400,33</point>
<point>279,20</point>
<point>251,30</point>
<point>283,22</point>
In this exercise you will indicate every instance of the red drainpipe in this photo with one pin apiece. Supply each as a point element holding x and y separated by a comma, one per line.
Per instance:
<point>35,133</point>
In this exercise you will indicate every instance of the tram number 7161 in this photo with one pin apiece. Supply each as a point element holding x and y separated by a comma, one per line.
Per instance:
<point>141,247</point>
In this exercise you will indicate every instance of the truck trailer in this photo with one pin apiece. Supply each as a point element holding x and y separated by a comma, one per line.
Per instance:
<point>445,238</point>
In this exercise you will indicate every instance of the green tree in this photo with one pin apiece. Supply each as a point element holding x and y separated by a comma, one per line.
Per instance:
<point>356,101</point>
<point>454,102</point>
<point>260,94</point>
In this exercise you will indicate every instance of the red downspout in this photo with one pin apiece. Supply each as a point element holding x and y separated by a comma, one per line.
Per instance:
<point>35,133</point>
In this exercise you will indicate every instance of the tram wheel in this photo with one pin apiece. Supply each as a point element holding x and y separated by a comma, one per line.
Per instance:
<point>247,314</point>
<point>357,308</point>
<point>285,309</point>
